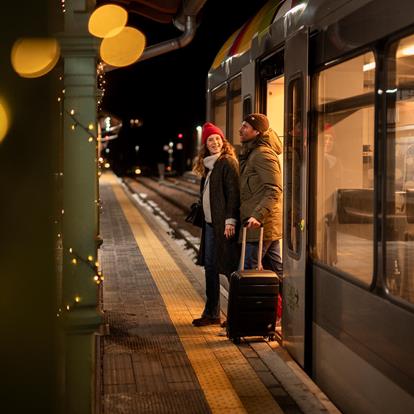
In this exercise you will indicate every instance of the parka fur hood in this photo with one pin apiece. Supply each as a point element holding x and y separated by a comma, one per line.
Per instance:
<point>272,140</point>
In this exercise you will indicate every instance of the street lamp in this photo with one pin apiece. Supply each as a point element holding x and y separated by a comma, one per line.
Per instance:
<point>199,129</point>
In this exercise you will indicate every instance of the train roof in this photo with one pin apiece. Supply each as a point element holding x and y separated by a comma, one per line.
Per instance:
<point>273,23</point>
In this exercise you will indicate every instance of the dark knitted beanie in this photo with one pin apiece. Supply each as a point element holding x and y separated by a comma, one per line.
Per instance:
<point>258,121</point>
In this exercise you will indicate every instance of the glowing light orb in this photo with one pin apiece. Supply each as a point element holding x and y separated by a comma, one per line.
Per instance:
<point>107,20</point>
<point>34,57</point>
<point>4,121</point>
<point>123,49</point>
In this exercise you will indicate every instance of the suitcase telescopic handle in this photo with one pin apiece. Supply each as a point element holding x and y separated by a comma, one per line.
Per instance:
<point>259,252</point>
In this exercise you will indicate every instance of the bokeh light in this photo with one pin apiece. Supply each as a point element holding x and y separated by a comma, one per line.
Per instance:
<point>34,57</point>
<point>107,20</point>
<point>4,120</point>
<point>123,49</point>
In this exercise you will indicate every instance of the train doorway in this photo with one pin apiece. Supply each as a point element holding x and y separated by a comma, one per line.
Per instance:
<point>275,96</point>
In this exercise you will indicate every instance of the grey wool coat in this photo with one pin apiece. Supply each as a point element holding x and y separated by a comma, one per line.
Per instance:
<point>224,204</point>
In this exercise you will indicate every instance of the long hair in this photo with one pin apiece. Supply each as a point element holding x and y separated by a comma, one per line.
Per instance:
<point>199,168</point>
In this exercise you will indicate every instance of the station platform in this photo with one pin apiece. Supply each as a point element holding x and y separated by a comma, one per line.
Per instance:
<point>151,359</point>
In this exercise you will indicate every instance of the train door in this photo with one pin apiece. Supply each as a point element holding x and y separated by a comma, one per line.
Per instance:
<point>273,92</point>
<point>295,194</point>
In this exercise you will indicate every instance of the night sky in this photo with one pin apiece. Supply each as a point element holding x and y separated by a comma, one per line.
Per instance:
<point>168,92</point>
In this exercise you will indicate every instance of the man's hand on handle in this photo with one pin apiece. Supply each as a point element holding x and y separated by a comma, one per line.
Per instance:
<point>252,223</point>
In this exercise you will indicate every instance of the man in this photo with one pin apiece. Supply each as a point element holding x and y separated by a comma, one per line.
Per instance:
<point>261,191</point>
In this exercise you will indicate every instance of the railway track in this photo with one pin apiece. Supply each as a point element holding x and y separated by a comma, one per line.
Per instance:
<point>170,204</point>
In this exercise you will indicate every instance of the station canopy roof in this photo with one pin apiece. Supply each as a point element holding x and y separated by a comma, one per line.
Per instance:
<point>161,11</point>
<point>240,41</point>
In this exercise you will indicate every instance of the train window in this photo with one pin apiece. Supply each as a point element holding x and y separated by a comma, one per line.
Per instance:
<point>235,110</point>
<point>219,107</point>
<point>343,108</point>
<point>247,106</point>
<point>293,167</point>
<point>400,170</point>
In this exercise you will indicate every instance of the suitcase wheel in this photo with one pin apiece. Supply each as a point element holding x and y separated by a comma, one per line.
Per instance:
<point>270,338</point>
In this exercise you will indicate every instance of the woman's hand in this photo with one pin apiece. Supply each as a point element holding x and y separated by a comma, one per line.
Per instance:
<point>229,230</point>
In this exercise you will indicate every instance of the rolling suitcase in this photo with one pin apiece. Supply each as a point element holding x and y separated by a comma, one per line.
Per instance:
<point>252,302</point>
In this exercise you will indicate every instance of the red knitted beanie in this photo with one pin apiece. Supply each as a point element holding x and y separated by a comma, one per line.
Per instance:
<point>210,129</point>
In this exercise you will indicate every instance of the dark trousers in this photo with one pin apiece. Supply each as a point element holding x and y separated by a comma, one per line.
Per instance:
<point>212,308</point>
<point>272,259</point>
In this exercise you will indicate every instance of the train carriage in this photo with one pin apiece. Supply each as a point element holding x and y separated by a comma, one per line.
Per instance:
<point>336,79</point>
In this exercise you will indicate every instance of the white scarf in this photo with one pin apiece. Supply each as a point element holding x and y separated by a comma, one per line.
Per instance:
<point>209,164</point>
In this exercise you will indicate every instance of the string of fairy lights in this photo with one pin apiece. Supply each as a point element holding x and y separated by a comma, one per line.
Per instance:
<point>100,72</point>
<point>75,258</point>
<point>77,123</point>
<point>62,2</point>
<point>98,277</point>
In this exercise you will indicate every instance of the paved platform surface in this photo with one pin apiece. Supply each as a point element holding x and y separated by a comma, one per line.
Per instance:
<point>153,359</point>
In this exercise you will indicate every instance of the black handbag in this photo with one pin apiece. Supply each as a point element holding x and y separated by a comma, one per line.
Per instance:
<point>195,216</point>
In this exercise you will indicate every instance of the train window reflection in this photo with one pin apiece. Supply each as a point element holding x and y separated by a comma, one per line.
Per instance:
<point>344,133</point>
<point>400,170</point>
<point>219,107</point>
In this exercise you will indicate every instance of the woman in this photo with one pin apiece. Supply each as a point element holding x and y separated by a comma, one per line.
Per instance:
<point>219,252</point>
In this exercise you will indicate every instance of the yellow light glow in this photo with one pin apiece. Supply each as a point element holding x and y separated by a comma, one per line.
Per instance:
<point>91,127</point>
<point>74,261</point>
<point>124,48</point>
<point>96,278</point>
<point>72,112</point>
<point>4,120</point>
<point>97,264</point>
<point>34,57</point>
<point>67,307</point>
<point>77,299</point>
<point>107,20</point>
<point>137,171</point>
<point>90,258</point>
<point>408,51</point>
<point>90,139</point>
<point>368,66</point>
<point>107,165</point>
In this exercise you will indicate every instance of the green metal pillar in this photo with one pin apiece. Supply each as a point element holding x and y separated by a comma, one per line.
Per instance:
<point>80,209</point>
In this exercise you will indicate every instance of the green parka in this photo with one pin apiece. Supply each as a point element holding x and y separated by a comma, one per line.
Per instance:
<point>261,185</point>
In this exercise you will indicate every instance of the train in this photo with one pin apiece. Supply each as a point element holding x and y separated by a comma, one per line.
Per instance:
<point>336,80</point>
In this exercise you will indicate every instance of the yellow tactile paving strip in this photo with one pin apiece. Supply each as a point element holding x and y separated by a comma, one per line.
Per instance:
<point>228,381</point>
